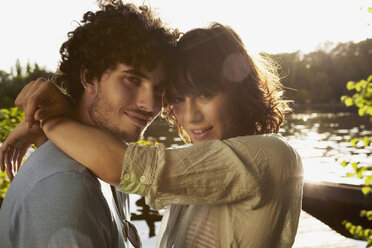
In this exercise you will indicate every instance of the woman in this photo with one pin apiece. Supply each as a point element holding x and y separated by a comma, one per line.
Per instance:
<point>239,184</point>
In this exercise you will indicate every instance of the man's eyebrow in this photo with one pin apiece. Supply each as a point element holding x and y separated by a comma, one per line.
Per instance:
<point>135,72</point>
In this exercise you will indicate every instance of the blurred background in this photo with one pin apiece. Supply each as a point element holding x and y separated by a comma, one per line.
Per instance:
<point>324,49</point>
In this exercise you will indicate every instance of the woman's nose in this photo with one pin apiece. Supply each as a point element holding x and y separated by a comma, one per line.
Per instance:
<point>192,113</point>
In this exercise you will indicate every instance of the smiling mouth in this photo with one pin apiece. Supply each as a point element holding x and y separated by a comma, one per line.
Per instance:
<point>140,122</point>
<point>200,134</point>
<point>199,131</point>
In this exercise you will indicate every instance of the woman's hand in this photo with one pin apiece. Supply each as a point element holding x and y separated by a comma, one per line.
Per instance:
<point>16,145</point>
<point>40,99</point>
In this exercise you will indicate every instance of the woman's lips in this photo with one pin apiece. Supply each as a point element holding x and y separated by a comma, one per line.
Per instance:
<point>200,134</point>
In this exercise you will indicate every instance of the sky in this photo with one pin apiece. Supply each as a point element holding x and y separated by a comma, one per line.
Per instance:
<point>33,30</point>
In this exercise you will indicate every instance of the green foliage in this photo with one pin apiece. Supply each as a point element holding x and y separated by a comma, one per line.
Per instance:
<point>358,231</point>
<point>317,76</point>
<point>9,119</point>
<point>4,184</point>
<point>12,83</point>
<point>362,99</point>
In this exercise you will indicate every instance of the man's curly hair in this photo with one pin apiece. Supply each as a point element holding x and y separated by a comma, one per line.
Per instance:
<point>214,59</point>
<point>118,33</point>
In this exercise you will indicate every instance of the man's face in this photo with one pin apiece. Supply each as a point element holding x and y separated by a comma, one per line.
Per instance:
<point>127,100</point>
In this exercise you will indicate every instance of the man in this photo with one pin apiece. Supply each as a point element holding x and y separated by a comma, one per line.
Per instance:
<point>112,67</point>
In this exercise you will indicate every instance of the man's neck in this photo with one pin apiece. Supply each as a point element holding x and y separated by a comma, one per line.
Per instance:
<point>80,112</point>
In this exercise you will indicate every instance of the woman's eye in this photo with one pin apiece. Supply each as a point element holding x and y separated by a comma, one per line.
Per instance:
<point>206,96</point>
<point>158,89</point>
<point>177,99</point>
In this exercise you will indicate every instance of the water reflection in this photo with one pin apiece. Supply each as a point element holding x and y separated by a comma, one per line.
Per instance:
<point>146,214</point>
<point>322,141</point>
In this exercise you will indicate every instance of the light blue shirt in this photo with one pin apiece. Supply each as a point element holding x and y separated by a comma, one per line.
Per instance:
<point>55,202</point>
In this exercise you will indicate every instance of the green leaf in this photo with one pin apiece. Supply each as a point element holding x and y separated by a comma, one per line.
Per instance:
<point>369,110</point>
<point>348,225</point>
<point>362,110</point>
<point>349,102</point>
<point>354,141</point>
<point>366,190</point>
<point>359,86</point>
<point>359,174</point>
<point>355,165</point>
<point>359,101</point>
<point>369,215</point>
<point>366,140</point>
<point>350,85</point>
<point>344,163</point>
<point>349,174</point>
<point>352,229</point>
<point>368,180</point>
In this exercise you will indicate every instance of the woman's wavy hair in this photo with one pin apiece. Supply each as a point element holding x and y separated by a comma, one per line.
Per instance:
<point>117,33</point>
<point>214,59</point>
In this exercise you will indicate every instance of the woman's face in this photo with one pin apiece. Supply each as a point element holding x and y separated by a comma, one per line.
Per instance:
<point>207,117</point>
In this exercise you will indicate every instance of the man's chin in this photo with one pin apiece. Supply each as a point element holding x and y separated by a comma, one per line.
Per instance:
<point>130,137</point>
<point>125,135</point>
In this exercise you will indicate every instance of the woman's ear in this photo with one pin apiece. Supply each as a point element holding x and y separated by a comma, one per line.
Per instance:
<point>88,82</point>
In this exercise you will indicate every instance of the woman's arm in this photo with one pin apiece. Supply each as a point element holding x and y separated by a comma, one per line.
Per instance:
<point>41,99</point>
<point>251,167</point>
<point>17,144</point>
<point>99,151</point>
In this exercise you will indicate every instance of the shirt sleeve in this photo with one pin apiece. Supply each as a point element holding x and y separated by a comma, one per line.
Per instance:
<point>57,214</point>
<point>211,172</point>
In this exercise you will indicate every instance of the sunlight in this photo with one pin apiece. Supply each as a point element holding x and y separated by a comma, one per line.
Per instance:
<point>265,26</point>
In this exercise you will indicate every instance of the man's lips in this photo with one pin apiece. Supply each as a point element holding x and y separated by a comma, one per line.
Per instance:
<point>199,134</point>
<point>138,119</point>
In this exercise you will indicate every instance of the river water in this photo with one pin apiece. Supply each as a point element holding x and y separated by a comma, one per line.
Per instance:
<point>320,137</point>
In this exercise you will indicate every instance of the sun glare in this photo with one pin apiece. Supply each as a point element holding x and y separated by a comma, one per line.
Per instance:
<point>33,34</point>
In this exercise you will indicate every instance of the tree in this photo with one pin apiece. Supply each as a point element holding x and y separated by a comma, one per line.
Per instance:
<point>362,99</point>
<point>9,119</point>
<point>12,83</point>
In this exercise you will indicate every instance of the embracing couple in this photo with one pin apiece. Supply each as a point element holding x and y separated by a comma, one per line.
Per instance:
<point>239,183</point>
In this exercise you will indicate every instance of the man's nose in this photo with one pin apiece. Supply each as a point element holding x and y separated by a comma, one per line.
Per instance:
<point>147,101</point>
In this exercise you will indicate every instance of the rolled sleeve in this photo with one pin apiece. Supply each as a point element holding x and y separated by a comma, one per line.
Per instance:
<point>139,168</point>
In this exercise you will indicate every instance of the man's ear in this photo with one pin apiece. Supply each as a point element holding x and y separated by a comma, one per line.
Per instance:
<point>89,83</point>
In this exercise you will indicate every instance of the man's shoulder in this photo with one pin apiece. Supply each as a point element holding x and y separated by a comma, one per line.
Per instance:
<point>65,200</point>
<point>48,160</point>
<point>55,171</point>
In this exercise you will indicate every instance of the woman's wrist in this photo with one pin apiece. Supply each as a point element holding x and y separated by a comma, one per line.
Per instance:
<point>47,124</point>
<point>41,140</point>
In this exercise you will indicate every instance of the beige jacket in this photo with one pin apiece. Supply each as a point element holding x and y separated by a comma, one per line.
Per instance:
<point>240,192</point>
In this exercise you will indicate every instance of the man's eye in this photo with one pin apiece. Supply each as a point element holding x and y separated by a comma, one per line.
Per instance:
<point>132,80</point>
